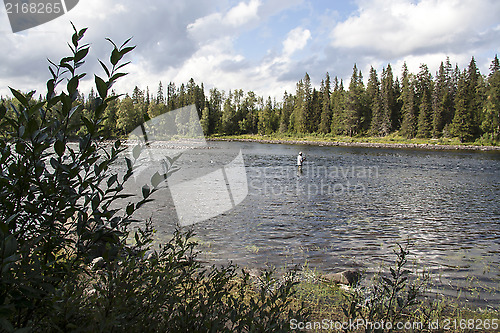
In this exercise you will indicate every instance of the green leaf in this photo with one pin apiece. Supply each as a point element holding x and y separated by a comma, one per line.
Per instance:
<point>10,246</point>
<point>74,39</point>
<point>136,152</point>
<point>81,33</point>
<point>126,42</point>
<point>129,163</point>
<point>388,281</point>
<point>112,180</point>
<point>88,124</point>
<point>109,99</point>
<point>81,54</point>
<point>51,85</point>
<point>117,76</point>
<point>54,163</point>
<point>21,131</point>
<point>20,97</point>
<point>20,148</point>
<point>100,110</point>
<point>68,67</point>
<point>3,111</point>
<point>122,65</point>
<point>75,109</point>
<point>171,171</point>
<point>102,88</point>
<point>115,57</point>
<point>59,147</point>
<point>65,60</point>
<point>72,85</point>
<point>105,68</point>
<point>127,50</point>
<point>156,179</point>
<point>109,40</point>
<point>146,191</point>
<point>95,202</point>
<point>130,209</point>
<point>143,202</point>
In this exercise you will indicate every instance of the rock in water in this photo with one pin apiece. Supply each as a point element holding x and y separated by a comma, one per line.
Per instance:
<point>348,277</point>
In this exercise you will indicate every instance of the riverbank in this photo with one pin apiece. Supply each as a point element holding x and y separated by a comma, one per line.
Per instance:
<point>368,142</point>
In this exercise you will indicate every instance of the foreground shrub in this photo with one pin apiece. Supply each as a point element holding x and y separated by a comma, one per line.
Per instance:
<point>171,292</point>
<point>396,297</point>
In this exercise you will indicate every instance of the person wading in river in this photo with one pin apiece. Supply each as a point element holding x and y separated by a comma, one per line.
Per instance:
<point>300,161</point>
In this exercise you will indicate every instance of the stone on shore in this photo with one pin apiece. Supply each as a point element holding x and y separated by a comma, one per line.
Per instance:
<point>348,277</point>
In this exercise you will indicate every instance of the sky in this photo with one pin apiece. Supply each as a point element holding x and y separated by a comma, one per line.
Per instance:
<point>265,46</point>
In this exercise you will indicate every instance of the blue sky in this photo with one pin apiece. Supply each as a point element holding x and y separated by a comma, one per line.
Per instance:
<point>261,45</point>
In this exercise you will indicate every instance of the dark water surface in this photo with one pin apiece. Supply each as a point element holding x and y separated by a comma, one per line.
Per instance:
<point>350,206</point>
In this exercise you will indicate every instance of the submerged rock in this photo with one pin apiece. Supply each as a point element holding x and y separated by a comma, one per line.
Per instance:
<point>348,277</point>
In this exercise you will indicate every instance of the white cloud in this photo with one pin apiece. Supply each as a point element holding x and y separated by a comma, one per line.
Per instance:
<point>243,13</point>
<point>397,28</point>
<point>218,25</point>
<point>178,40</point>
<point>296,40</point>
<point>158,30</point>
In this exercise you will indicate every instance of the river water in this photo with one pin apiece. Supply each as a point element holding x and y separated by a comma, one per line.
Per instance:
<point>348,208</point>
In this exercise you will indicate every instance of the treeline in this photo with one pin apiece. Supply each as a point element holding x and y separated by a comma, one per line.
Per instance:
<point>452,103</point>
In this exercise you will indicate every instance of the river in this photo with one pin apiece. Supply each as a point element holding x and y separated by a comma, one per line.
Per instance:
<point>349,207</point>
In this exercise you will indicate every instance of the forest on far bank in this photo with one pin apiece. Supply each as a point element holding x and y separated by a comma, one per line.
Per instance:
<point>454,102</point>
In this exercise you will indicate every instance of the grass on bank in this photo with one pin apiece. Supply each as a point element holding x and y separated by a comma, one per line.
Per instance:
<point>326,301</point>
<point>396,294</point>
<point>393,138</point>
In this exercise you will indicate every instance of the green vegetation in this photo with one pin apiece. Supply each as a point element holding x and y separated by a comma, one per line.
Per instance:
<point>393,138</point>
<point>396,294</point>
<point>58,214</point>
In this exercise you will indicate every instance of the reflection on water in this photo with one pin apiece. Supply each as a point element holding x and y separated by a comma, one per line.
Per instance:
<point>351,205</point>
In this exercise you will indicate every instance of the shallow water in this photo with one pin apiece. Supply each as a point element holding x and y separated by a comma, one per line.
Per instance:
<point>349,207</point>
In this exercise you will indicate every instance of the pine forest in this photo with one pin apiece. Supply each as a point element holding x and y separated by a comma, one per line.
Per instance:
<point>454,102</point>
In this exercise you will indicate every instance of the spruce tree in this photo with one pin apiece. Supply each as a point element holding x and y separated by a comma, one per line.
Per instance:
<point>476,87</point>
<point>338,100</point>
<point>252,117</point>
<point>301,113</point>
<point>491,109</point>
<point>171,96</point>
<point>215,105</point>
<point>408,109</point>
<point>315,109</point>
<point>374,102</point>
<point>160,98</point>
<point>286,111</point>
<point>396,114</point>
<point>205,121</point>
<point>461,126</point>
<point>388,101</point>
<point>326,111</point>
<point>440,102</point>
<point>424,79</point>
<point>228,116</point>
<point>354,103</point>
<point>494,67</point>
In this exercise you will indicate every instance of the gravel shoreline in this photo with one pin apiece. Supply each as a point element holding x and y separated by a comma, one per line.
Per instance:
<point>364,144</point>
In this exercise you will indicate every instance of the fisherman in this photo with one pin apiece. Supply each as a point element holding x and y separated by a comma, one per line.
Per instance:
<point>300,161</point>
